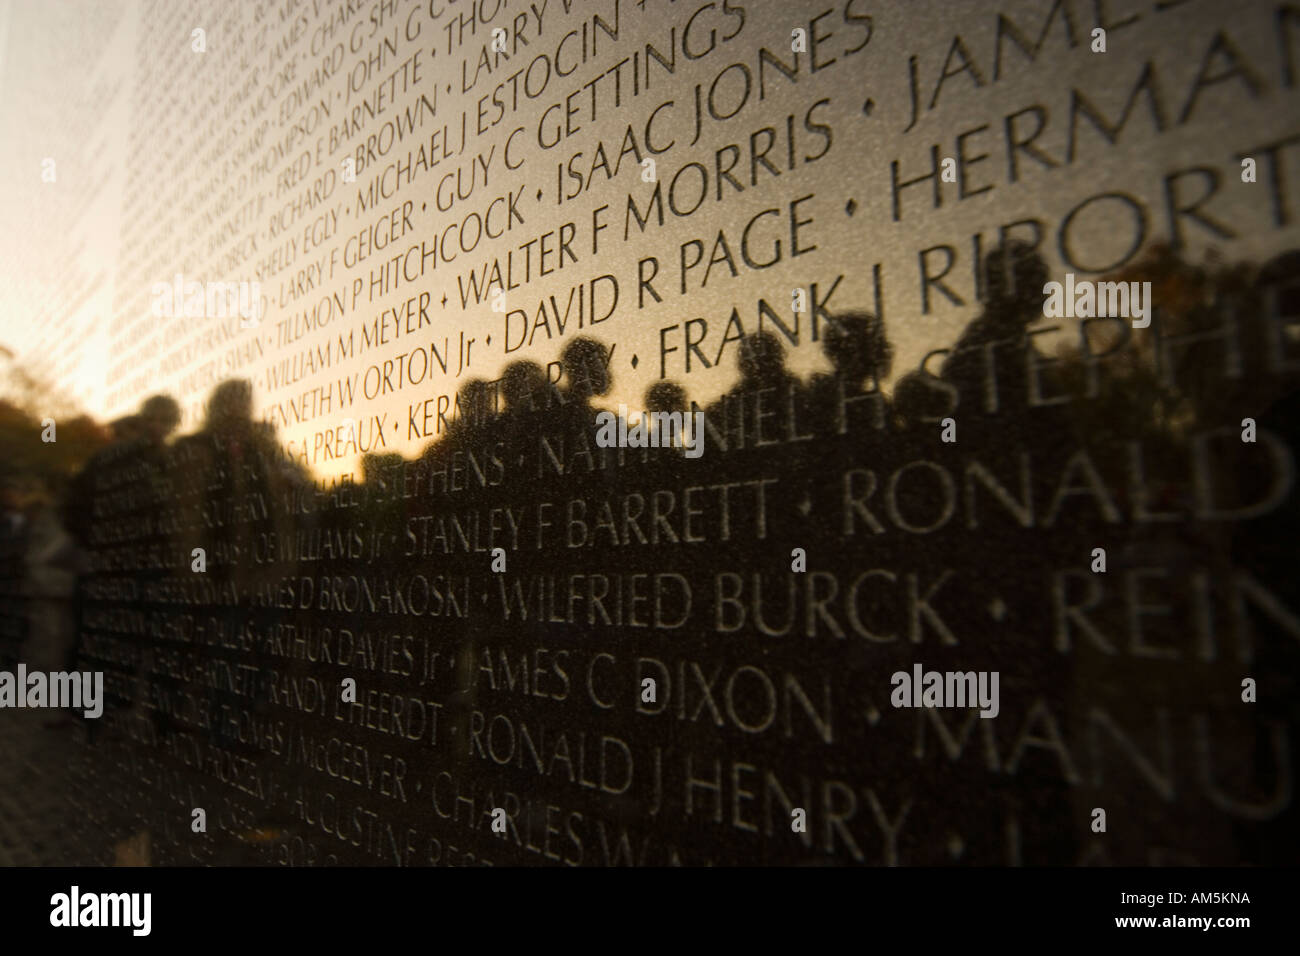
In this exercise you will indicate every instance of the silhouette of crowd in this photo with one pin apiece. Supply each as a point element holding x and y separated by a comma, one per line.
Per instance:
<point>851,470</point>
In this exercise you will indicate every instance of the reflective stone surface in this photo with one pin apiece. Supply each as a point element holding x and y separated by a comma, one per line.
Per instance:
<point>349,498</point>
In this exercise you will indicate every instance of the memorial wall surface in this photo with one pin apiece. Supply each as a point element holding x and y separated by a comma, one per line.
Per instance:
<point>603,432</point>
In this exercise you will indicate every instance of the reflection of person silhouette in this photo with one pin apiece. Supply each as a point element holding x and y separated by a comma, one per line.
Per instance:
<point>921,400</point>
<point>227,463</point>
<point>125,429</point>
<point>585,363</point>
<point>52,567</point>
<point>139,447</point>
<point>760,398</point>
<point>232,449</point>
<point>157,419</point>
<point>987,363</point>
<point>526,397</point>
<point>474,412</point>
<point>995,425</point>
<point>14,530</point>
<point>586,369</point>
<point>473,428</point>
<point>524,389</point>
<point>762,362</point>
<point>78,502</point>
<point>669,398</point>
<point>78,505</point>
<point>860,357</point>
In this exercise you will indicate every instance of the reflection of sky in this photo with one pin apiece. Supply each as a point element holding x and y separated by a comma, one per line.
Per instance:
<point>76,288</point>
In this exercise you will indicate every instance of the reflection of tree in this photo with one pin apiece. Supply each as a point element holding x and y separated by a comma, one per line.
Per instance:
<point>26,391</point>
<point>1198,363</point>
<point>34,464</point>
<point>30,464</point>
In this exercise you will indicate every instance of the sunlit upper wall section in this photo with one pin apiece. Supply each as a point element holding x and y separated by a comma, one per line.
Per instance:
<point>417,194</point>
